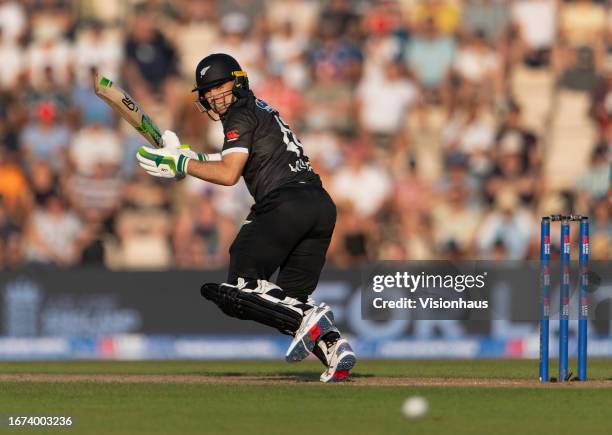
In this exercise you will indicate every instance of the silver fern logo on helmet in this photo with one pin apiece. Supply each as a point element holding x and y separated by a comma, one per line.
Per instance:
<point>206,68</point>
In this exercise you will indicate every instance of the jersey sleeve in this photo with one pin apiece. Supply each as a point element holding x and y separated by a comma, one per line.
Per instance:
<point>238,133</point>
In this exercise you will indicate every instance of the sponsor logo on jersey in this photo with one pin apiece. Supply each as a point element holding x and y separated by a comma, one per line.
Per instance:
<point>232,135</point>
<point>265,106</point>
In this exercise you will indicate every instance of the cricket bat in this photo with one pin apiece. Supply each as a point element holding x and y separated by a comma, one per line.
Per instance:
<point>128,109</point>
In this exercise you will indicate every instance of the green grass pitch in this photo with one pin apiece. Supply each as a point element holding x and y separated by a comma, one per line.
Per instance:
<point>286,399</point>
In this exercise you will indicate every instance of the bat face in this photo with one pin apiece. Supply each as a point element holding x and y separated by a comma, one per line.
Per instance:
<point>128,109</point>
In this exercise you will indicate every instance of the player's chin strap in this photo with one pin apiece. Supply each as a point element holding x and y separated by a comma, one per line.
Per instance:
<point>239,90</point>
<point>204,106</point>
<point>258,300</point>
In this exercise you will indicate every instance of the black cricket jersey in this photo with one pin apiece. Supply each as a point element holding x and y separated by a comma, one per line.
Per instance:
<point>276,157</point>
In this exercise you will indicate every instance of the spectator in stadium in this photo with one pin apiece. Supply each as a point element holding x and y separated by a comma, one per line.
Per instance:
<point>12,63</point>
<point>48,90</point>
<point>580,51</point>
<point>96,195</point>
<point>196,235</point>
<point>284,46</point>
<point>601,100</point>
<point>52,235</point>
<point>14,189</point>
<point>95,48</point>
<point>46,139</point>
<point>302,15</point>
<point>454,224</point>
<point>352,239</point>
<point>510,174</point>
<point>251,10</point>
<point>379,50</point>
<point>509,224</point>
<point>411,194</point>
<point>415,233</point>
<point>429,55</point>
<point>323,148</point>
<point>49,52</point>
<point>328,101</point>
<point>274,91</point>
<point>236,41</point>
<point>13,21</point>
<point>42,181</point>
<point>195,32</point>
<point>445,14</point>
<point>331,49</point>
<point>150,68</point>
<point>595,183</point>
<point>477,69</point>
<point>470,131</point>
<point>582,23</point>
<point>383,104</point>
<point>513,129</point>
<point>85,150</point>
<point>143,237</point>
<point>51,17</point>
<point>457,175</point>
<point>88,108</point>
<point>361,182</point>
<point>490,17</point>
<point>338,18</point>
<point>535,21</point>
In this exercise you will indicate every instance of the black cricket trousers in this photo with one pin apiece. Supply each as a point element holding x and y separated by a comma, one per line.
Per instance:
<point>289,229</point>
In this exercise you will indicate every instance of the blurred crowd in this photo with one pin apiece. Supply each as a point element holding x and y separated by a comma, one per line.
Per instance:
<point>442,128</point>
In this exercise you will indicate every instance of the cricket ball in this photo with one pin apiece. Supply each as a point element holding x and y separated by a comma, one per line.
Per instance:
<point>415,407</point>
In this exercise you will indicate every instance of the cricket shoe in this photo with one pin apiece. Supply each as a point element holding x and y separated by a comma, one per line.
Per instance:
<point>318,322</point>
<point>341,360</point>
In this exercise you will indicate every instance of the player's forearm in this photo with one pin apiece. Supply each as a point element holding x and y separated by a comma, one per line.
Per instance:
<point>219,172</point>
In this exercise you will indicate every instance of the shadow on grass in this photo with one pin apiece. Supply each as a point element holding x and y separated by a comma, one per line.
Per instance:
<point>284,376</point>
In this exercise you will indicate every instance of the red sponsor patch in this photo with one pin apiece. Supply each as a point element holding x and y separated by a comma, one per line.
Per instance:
<point>232,134</point>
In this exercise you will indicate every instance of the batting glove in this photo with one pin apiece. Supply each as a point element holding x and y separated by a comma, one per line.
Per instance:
<point>170,161</point>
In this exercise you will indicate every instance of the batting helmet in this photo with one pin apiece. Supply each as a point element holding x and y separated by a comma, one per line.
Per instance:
<point>217,69</point>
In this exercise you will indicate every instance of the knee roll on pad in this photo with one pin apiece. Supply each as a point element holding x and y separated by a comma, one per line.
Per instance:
<point>260,301</point>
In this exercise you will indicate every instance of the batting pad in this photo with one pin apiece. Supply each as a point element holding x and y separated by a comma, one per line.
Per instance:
<point>260,301</point>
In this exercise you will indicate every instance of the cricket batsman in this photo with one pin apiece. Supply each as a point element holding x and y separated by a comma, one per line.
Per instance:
<point>289,227</point>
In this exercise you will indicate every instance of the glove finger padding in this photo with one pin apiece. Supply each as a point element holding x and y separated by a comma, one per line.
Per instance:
<point>144,161</point>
